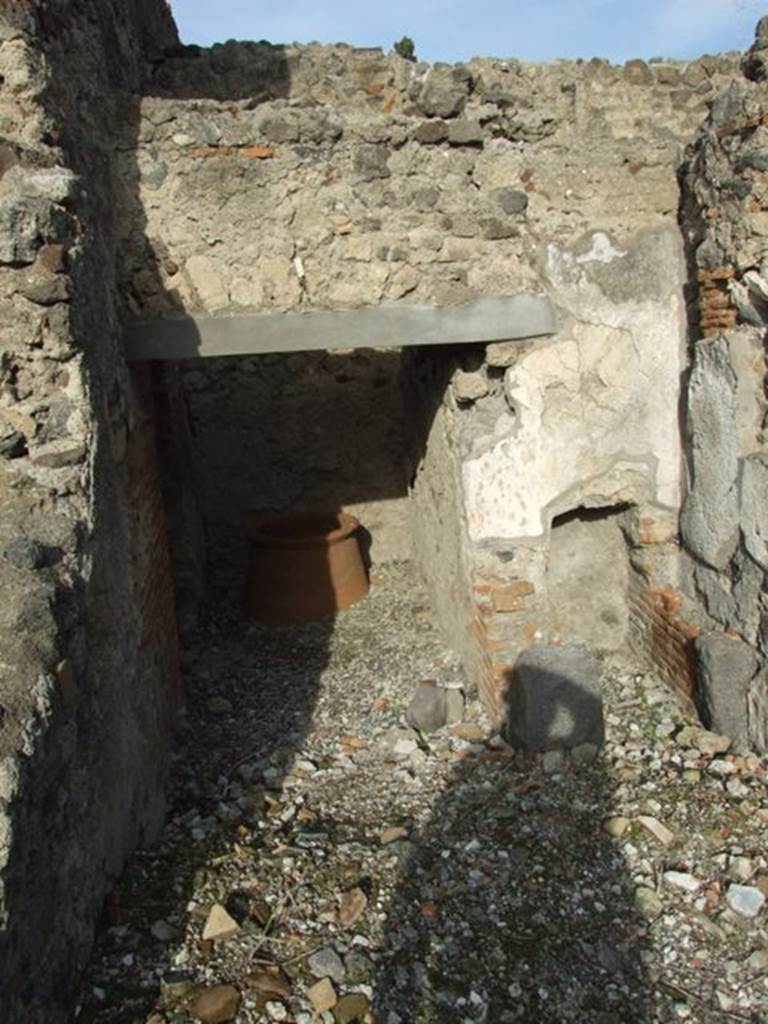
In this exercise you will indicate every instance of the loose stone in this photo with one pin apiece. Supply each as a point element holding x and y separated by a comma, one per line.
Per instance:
<point>216,1005</point>
<point>427,711</point>
<point>746,900</point>
<point>740,869</point>
<point>351,1008</point>
<point>352,905</point>
<point>682,880</point>
<point>219,925</point>
<point>326,962</point>
<point>322,996</point>
<point>657,830</point>
<point>616,827</point>
<point>648,903</point>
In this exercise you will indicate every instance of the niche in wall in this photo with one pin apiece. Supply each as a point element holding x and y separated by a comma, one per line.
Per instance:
<point>588,578</point>
<point>307,432</point>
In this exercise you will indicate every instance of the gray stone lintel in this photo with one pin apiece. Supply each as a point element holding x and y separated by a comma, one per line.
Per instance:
<point>391,325</point>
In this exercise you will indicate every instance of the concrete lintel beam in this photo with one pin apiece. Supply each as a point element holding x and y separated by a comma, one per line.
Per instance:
<point>392,325</point>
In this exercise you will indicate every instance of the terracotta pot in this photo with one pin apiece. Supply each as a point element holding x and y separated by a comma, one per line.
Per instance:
<point>302,568</point>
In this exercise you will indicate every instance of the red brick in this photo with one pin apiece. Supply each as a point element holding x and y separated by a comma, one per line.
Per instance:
<point>510,597</point>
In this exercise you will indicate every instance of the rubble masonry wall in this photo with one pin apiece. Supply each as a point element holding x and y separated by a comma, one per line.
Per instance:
<point>89,663</point>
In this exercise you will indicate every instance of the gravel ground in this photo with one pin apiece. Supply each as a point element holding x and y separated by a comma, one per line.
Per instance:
<point>322,856</point>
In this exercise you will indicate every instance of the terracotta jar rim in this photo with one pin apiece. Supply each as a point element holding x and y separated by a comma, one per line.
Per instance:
<point>304,531</point>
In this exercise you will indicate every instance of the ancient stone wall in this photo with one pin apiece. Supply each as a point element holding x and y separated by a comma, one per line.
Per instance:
<point>142,179</point>
<point>312,177</point>
<point>540,464</point>
<point>88,675</point>
<point>298,178</point>
<point>723,523</point>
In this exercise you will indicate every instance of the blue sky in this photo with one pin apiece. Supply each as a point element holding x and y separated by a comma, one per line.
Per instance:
<point>457,29</point>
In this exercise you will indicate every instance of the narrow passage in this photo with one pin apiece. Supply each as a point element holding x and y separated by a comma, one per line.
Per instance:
<point>322,861</point>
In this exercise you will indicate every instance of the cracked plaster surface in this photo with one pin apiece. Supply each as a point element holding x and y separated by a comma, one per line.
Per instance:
<point>592,412</point>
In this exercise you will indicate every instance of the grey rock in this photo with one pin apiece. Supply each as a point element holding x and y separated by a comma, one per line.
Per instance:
<point>429,133</point>
<point>359,969</point>
<point>553,699</point>
<point>747,587</point>
<point>444,92</point>
<point>757,713</point>
<point>501,93</point>
<point>736,789</point>
<point>740,869</point>
<point>682,880</point>
<point>511,200</point>
<point>326,963</point>
<point>530,125</point>
<point>454,705</point>
<point>724,668</point>
<point>648,903</point>
<point>154,175</point>
<point>25,553</point>
<point>320,126</point>
<point>26,224</point>
<point>58,184</point>
<point>12,445</point>
<point>637,72</point>
<point>746,900</point>
<point>754,508</point>
<point>427,710</point>
<point>279,129</point>
<point>370,162</point>
<point>715,591</point>
<point>494,228</point>
<point>46,292</point>
<point>398,743</point>
<point>756,160</point>
<point>758,961</point>
<point>423,199</point>
<point>466,131</point>
<point>57,454</point>
<point>710,514</point>
<point>754,64</point>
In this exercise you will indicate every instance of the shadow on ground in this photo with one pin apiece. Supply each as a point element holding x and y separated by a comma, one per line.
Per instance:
<point>250,694</point>
<point>514,904</point>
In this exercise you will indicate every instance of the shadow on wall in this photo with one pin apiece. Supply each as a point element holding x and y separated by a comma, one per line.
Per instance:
<point>249,72</point>
<point>304,433</point>
<point>513,903</point>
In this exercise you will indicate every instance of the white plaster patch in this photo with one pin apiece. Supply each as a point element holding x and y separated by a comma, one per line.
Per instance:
<point>602,250</point>
<point>593,413</point>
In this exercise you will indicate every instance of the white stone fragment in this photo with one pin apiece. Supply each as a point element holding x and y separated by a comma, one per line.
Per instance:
<point>657,830</point>
<point>219,925</point>
<point>682,880</point>
<point>745,900</point>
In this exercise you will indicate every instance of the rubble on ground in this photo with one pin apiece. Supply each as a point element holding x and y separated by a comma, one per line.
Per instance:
<point>351,876</point>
